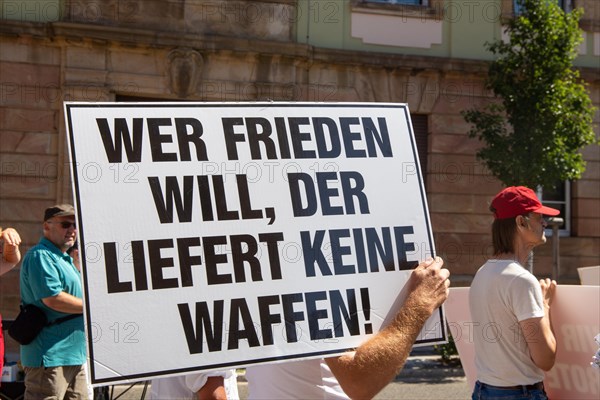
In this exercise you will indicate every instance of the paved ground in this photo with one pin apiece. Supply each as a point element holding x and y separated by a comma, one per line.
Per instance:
<point>426,378</point>
<point>448,389</point>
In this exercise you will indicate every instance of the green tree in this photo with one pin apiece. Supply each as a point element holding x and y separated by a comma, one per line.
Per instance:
<point>534,133</point>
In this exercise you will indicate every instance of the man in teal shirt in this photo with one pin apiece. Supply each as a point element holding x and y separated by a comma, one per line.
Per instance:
<point>54,361</point>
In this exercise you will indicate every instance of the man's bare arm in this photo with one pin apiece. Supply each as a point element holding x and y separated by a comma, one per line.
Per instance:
<point>367,370</point>
<point>64,302</point>
<point>10,252</point>
<point>5,266</point>
<point>213,389</point>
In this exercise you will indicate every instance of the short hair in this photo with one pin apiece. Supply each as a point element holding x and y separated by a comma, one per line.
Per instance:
<point>503,234</point>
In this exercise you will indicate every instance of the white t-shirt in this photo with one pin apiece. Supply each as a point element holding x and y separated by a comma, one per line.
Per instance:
<point>306,379</point>
<point>502,294</point>
<point>185,387</point>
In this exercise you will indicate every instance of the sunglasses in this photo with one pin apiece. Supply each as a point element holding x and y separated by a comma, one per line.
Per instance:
<point>64,224</point>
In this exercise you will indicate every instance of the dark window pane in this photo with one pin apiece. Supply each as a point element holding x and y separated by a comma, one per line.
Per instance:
<point>518,7</point>
<point>419,123</point>
<point>557,193</point>
<point>394,1</point>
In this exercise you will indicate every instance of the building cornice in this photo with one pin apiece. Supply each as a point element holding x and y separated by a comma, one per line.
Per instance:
<point>145,38</point>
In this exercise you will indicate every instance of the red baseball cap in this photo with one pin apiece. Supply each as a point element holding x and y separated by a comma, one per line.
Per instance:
<point>519,200</point>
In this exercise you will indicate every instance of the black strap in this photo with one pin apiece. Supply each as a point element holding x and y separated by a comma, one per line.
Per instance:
<point>63,319</point>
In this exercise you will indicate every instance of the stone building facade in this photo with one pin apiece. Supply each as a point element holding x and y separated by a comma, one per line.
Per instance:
<point>248,51</point>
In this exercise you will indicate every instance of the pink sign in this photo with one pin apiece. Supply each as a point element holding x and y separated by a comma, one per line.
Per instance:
<point>576,321</point>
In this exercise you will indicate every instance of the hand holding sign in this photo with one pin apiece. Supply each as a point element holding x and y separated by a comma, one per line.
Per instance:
<point>429,284</point>
<point>548,290</point>
<point>363,373</point>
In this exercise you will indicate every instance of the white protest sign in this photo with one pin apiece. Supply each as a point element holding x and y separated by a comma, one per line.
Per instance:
<point>227,234</point>
<point>589,275</point>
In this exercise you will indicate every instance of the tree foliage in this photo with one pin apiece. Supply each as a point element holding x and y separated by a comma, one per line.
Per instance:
<point>544,115</point>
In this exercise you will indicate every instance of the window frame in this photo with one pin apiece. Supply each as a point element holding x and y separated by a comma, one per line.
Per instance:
<point>566,5</point>
<point>566,230</point>
<point>420,126</point>
<point>426,9</point>
<point>424,3</point>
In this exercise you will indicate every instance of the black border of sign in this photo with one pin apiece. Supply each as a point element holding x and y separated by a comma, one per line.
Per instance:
<point>72,105</point>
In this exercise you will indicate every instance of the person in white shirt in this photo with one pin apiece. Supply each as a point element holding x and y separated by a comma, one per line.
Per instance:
<point>513,337</point>
<point>306,379</point>
<point>216,385</point>
<point>362,373</point>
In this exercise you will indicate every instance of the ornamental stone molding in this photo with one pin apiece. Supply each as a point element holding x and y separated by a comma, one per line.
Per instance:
<point>184,71</point>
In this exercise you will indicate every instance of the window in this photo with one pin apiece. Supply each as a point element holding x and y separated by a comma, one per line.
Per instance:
<point>558,197</point>
<point>422,9</point>
<point>566,5</point>
<point>420,129</point>
<point>414,2</point>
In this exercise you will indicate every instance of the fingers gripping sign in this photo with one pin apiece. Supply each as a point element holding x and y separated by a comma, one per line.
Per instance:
<point>429,283</point>
<point>548,290</point>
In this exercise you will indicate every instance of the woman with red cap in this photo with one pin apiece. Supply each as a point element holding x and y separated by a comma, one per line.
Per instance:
<point>513,337</point>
